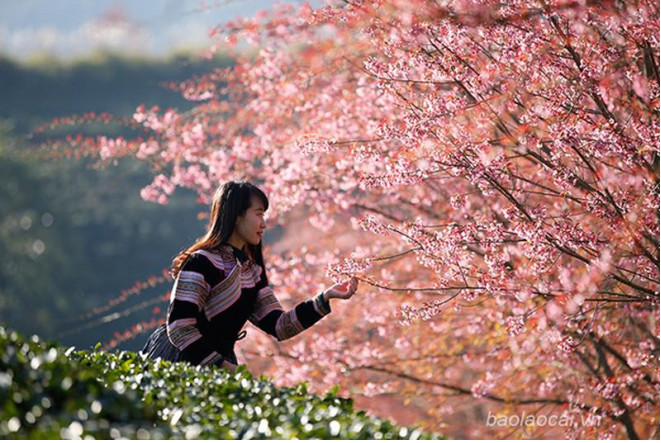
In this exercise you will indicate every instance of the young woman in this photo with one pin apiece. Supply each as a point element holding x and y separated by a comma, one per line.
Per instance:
<point>220,283</point>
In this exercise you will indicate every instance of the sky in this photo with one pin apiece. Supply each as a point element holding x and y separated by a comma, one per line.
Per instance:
<point>69,29</point>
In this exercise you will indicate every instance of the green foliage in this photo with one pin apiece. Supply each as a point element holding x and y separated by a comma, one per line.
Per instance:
<point>47,392</point>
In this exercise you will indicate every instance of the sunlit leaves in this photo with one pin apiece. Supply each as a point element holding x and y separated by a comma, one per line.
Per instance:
<point>48,392</point>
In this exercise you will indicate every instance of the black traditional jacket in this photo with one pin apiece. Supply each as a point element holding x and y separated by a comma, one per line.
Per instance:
<point>214,295</point>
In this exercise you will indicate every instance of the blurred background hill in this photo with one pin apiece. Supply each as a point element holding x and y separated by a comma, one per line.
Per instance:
<point>71,237</point>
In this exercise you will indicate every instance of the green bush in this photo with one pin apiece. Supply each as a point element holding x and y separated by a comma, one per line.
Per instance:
<point>49,392</point>
<point>45,393</point>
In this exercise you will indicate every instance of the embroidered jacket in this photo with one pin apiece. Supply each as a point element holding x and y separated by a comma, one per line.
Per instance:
<point>213,297</point>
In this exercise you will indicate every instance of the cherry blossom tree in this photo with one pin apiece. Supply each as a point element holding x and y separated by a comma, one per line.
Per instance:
<point>488,170</point>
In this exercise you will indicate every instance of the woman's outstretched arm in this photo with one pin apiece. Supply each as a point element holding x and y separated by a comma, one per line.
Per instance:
<point>269,316</point>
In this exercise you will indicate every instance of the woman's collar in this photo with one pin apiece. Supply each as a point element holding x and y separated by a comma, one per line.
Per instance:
<point>238,253</point>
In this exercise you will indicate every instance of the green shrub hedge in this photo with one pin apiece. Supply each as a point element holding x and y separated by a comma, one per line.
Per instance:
<point>49,392</point>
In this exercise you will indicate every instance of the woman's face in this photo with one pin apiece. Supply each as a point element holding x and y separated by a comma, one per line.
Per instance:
<point>251,226</point>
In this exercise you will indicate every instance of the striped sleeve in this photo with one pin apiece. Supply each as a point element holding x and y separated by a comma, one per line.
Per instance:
<point>269,316</point>
<point>187,299</point>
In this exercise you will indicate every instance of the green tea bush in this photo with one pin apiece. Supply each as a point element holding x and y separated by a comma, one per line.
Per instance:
<point>49,392</point>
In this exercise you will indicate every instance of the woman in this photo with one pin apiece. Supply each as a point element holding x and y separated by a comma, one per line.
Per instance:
<point>220,283</point>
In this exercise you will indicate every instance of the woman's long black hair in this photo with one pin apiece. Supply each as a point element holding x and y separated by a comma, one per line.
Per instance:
<point>230,200</point>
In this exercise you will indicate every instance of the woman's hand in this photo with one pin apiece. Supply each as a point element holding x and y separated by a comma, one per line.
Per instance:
<point>342,290</point>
